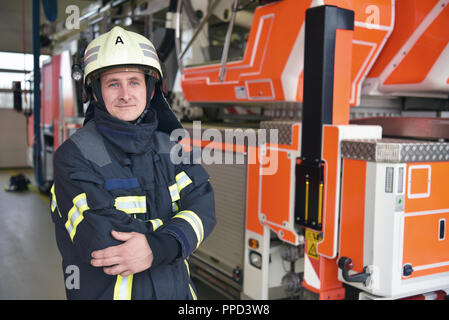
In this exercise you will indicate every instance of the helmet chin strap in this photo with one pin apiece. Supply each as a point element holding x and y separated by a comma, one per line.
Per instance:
<point>151,84</point>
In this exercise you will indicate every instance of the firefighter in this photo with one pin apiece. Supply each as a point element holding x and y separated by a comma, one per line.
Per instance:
<point>126,216</point>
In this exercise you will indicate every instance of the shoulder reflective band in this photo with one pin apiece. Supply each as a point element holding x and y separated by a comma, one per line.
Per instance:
<point>194,221</point>
<point>182,180</point>
<point>131,204</point>
<point>190,286</point>
<point>54,204</point>
<point>123,288</point>
<point>75,215</point>
<point>156,223</point>
<point>174,193</point>
<point>53,198</point>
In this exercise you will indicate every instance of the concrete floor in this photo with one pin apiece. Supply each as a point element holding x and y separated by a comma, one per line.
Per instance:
<point>30,263</point>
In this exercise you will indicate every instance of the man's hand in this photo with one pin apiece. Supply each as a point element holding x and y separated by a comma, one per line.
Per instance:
<point>132,256</point>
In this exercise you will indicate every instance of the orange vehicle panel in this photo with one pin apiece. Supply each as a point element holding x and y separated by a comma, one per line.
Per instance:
<point>424,247</point>
<point>275,187</point>
<point>421,58</point>
<point>252,195</point>
<point>267,54</point>
<point>420,36</point>
<point>68,98</point>
<point>408,15</point>
<point>376,12</point>
<point>264,44</point>
<point>419,180</point>
<point>342,78</point>
<point>331,159</point>
<point>437,198</point>
<point>366,47</point>
<point>353,211</point>
<point>277,210</point>
<point>261,89</point>
<point>50,95</point>
<point>275,192</point>
<point>270,193</point>
<point>426,205</point>
<point>372,26</point>
<point>47,110</point>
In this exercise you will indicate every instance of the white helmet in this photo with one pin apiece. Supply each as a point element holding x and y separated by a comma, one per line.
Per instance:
<point>120,47</point>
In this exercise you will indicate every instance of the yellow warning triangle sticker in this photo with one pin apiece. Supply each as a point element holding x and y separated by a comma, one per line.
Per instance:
<point>311,251</point>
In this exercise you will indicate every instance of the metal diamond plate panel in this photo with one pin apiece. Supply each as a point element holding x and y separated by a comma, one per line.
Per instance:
<point>284,130</point>
<point>395,150</point>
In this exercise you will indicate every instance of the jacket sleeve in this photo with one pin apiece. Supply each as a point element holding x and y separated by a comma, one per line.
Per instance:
<point>87,210</point>
<point>193,200</point>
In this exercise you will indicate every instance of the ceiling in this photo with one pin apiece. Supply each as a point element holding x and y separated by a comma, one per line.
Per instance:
<point>16,20</point>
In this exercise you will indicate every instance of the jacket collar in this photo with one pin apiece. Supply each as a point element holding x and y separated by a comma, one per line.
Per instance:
<point>127,137</point>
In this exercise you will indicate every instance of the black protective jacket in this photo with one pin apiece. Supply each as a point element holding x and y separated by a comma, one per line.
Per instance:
<point>113,175</point>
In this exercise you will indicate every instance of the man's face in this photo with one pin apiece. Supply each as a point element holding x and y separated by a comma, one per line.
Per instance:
<point>124,92</point>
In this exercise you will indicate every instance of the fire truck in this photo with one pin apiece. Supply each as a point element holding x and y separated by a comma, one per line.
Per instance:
<point>338,165</point>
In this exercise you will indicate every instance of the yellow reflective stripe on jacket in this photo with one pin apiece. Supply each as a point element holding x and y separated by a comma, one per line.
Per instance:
<point>190,286</point>
<point>174,192</point>
<point>182,180</point>
<point>53,198</point>
<point>156,223</point>
<point>187,265</point>
<point>54,204</point>
<point>194,221</point>
<point>131,204</point>
<point>192,292</point>
<point>75,215</point>
<point>123,288</point>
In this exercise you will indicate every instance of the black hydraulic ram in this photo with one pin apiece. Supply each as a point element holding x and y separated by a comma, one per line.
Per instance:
<point>319,60</point>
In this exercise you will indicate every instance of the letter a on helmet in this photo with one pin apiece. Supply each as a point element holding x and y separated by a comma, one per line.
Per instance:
<point>119,40</point>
